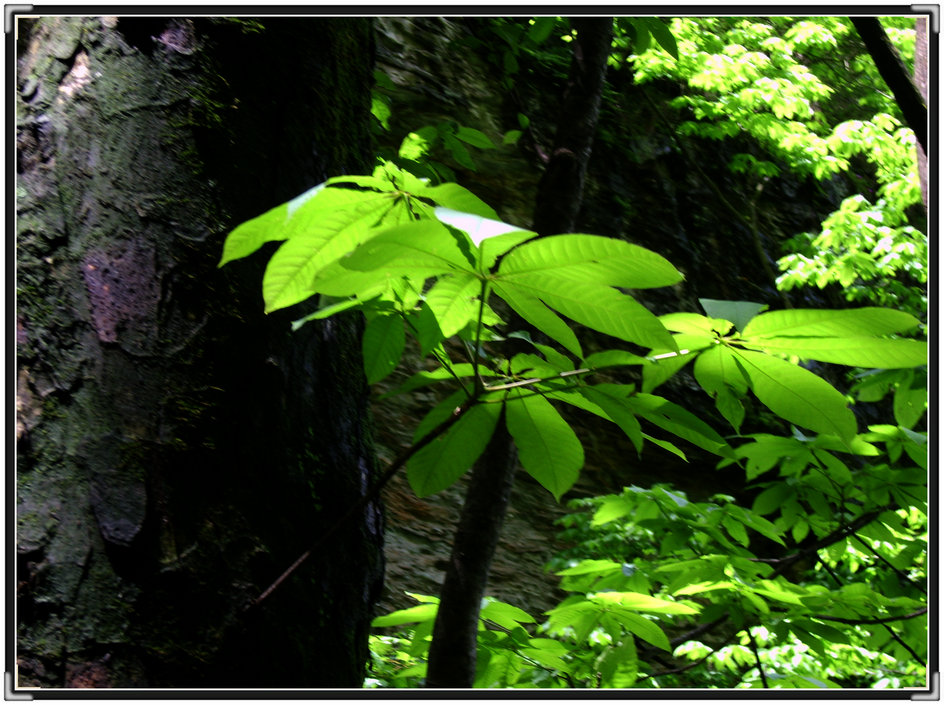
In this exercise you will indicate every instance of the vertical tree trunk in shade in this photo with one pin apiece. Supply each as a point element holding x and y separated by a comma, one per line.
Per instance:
<point>176,448</point>
<point>921,60</point>
<point>452,654</point>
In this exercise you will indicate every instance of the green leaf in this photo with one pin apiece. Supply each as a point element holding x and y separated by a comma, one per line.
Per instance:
<point>642,603</point>
<point>531,309</point>
<point>425,247</point>
<point>474,137</point>
<point>439,464</point>
<point>797,395</point>
<point>663,35</point>
<point>617,407</point>
<point>856,351</point>
<point>909,403</point>
<point>771,499</point>
<point>681,422</point>
<point>738,312</point>
<point>454,300</point>
<point>591,258</point>
<point>541,29</point>
<point>411,615</point>
<point>458,152</point>
<point>503,614</point>
<point>547,446</point>
<point>694,323</point>
<point>457,199</point>
<point>644,628</point>
<point>831,323</point>
<point>598,307</point>
<point>382,346</point>
<point>317,239</point>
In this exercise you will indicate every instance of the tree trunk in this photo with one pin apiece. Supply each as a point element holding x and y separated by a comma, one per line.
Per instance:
<point>892,69</point>
<point>452,653</point>
<point>177,449</point>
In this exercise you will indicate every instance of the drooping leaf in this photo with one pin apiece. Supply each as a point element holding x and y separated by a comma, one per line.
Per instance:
<point>312,246</point>
<point>411,615</point>
<point>382,346</point>
<point>740,313</point>
<point>453,300</point>
<point>474,137</point>
<point>425,246</point>
<point>547,446</point>
<point>663,35</point>
<point>591,258</point>
<point>643,628</point>
<point>598,307</point>
<point>681,422</point>
<point>717,372</point>
<point>531,309</point>
<point>443,461</point>
<point>830,323</point>
<point>797,395</point>
<point>856,351</point>
<point>617,407</point>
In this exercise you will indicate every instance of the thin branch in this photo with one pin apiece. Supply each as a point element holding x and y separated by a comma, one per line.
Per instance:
<point>900,573</point>
<point>400,461</point>
<point>875,620</point>
<point>901,641</point>
<point>760,665</point>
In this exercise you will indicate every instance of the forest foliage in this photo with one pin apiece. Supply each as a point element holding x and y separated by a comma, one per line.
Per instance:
<point>818,578</point>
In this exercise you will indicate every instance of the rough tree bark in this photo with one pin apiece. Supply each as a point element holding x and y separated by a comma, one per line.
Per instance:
<point>452,654</point>
<point>177,449</point>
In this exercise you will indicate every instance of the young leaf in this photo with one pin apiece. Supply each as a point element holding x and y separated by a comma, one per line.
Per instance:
<point>547,446</point>
<point>382,346</point>
<point>439,464</point>
<point>830,323</point>
<point>797,395</point>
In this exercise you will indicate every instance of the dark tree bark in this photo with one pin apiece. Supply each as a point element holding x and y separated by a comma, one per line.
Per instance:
<point>176,448</point>
<point>896,75</point>
<point>452,654</point>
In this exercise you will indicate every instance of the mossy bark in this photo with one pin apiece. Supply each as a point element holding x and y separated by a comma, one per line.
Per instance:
<point>176,448</point>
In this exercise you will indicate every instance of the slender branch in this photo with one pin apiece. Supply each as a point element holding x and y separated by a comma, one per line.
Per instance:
<point>875,620</point>
<point>901,641</point>
<point>760,665</point>
<point>398,463</point>
<point>900,573</point>
<point>535,380</point>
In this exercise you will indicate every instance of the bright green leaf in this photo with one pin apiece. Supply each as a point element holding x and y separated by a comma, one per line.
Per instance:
<point>382,345</point>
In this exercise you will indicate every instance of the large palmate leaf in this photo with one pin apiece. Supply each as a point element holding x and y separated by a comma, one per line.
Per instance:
<point>547,446</point>
<point>797,395</point>
<point>591,258</point>
<point>599,307</point>
<point>315,241</point>
<point>857,351</point>
<point>829,323</point>
<point>444,460</point>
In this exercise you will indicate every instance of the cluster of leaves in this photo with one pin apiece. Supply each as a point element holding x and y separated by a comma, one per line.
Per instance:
<point>432,260</point>
<point>780,81</point>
